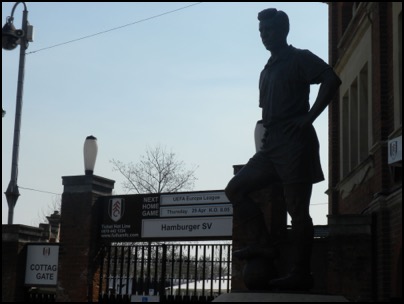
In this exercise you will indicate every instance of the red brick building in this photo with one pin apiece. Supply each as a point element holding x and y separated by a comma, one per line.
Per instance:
<point>365,129</point>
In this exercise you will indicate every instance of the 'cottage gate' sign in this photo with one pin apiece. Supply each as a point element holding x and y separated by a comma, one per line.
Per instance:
<point>42,264</point>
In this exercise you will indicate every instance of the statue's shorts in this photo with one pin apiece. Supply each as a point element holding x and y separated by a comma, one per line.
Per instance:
<point>289,158</point>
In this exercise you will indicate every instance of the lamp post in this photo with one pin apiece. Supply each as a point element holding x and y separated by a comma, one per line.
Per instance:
<point>11,37</point>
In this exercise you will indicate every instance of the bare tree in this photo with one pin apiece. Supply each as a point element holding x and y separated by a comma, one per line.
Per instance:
<point>157,171</point>
<point>55,205</point>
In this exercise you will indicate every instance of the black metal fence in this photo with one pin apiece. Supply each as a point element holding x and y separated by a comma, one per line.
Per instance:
<point>40,296</point>
<point>165,272</point>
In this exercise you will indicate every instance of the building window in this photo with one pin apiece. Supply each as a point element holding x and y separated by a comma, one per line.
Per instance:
<point>363,115</point>
<point>355,122</point>
<point>397,67</point>
<point>400,69</point>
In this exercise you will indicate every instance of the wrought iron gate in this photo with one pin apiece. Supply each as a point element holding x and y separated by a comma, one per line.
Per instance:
<point>167,272</point>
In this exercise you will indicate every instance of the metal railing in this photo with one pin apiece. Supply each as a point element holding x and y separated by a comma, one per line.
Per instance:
<point>193,272</point>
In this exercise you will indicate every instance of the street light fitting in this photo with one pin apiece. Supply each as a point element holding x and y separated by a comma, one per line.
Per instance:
<point>90,154</point>
<point>10,36</point>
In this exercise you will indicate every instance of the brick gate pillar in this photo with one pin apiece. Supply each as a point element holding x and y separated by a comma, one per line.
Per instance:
<point>77,281</point>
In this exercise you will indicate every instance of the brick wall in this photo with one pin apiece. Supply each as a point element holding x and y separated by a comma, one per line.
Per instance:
<point>12,272</point>
<point>396,237</point>
<point>78,237</point>
<point>13,258</point>
<point>333,114</point>
<point>349,267</point>
<point>377,196</point>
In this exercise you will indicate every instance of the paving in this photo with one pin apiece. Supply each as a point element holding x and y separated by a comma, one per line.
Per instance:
<point>277,297</point>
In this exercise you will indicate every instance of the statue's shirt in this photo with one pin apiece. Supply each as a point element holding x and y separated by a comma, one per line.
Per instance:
<point>284,95</point>
<point>285,84</point>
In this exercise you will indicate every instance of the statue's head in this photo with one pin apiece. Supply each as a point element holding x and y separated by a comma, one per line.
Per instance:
<point>274,27</point>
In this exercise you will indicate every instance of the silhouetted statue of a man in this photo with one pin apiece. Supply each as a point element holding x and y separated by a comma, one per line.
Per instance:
<point>290,150</point>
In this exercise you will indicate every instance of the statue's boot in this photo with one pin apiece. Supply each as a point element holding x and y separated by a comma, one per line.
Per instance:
<point>300,278</point>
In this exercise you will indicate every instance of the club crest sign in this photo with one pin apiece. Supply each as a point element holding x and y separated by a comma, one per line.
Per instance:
<point>116,208</point>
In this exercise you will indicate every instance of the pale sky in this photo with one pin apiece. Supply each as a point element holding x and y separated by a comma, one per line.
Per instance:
<point>186,80</point>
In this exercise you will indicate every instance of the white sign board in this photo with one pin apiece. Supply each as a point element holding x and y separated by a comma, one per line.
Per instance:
<point>193,198</point>
<point>187,227</point>
<point>42,264</point>
<point>197,210</point>
<point>395,150</point>
<point>137,298</point>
